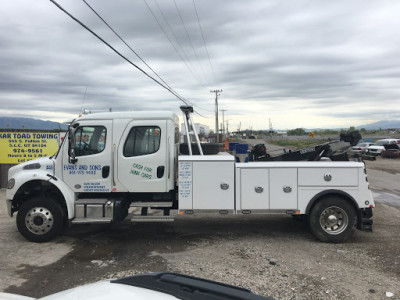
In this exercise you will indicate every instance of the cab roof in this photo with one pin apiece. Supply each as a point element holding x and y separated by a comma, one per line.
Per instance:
<point>134,115</point>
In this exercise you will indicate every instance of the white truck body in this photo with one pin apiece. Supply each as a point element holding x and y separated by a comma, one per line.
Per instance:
<point>124,160</point>
<point>216,183</point>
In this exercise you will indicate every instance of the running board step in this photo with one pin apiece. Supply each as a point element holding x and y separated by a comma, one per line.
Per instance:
<point>91,220</point>
<point>151,204</point>
<point>152,219</point>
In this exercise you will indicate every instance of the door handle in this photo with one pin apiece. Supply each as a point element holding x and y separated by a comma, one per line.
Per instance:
<point>105,171</point>
<point>160,171</point>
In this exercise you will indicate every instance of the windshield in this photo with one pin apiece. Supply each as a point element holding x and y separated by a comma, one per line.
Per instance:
<point>62,143</point>
<point>381,143</point>
<point>362,145</point>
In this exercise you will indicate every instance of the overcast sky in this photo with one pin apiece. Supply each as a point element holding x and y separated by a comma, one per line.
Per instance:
<point>300,63</point>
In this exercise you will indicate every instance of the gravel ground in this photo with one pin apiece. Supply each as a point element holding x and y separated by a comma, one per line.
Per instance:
<point>275,256</point>
<point>271,258</point>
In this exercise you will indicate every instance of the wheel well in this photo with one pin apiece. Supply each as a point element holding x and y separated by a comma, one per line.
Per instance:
<point>37,188</point>
<point>333,193</point>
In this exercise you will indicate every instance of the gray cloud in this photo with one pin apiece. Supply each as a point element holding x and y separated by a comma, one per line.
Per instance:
<point>267,55</point>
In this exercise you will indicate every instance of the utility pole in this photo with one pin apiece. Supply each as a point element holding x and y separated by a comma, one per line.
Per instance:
<point>271,131</point>
<point>216,112</point>
<point>223,124</point>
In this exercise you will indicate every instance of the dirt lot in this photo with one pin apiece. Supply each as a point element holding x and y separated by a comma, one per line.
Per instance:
<point>274,256</point>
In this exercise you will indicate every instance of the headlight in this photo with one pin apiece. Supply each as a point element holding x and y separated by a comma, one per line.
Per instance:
<point>11,183</point>
<point>32,166</point>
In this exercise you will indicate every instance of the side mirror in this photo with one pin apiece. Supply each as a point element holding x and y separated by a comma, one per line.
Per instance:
<point>71,144</point>
<point>71,156</point>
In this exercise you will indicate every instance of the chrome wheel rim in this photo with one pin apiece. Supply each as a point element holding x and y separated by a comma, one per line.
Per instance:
<point>39,220</point>
<point>334,220</point>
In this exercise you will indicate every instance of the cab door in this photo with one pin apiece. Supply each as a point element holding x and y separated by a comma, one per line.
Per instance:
<point>142,157</point>
<point>93,150</point>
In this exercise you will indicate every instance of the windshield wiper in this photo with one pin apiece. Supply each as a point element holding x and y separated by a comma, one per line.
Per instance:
<point>188,287</point>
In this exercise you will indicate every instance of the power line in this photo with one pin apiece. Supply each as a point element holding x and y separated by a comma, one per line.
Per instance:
<point>204,41</point>
<point>127,45</point>
<point>122,56</point>
<point>167,87</point>
<point>176,50</point>
<point>176,39</point>
<point>142,59</point>
<point>170,41</point>
<point>188,37</point>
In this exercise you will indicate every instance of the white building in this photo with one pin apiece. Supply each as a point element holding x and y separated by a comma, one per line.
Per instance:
<point>200,128</point>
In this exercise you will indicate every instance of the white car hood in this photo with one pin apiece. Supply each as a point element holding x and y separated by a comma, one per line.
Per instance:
<point>105,290</point>
<point>7,296</point>
<point>376,147</point>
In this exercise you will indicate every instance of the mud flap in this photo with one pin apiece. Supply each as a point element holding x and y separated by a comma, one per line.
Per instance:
<point>364,219</point>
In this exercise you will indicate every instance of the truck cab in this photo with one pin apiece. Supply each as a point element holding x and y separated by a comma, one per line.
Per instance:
<point>129,156</point>
<point>120,152</point>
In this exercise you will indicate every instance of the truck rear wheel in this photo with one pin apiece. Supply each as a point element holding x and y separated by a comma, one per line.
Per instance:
<point>333,220</point>
<point>40,219</point>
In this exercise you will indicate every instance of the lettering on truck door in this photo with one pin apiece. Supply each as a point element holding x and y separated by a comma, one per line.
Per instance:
<point>142,157</point>
<point>93,149</point>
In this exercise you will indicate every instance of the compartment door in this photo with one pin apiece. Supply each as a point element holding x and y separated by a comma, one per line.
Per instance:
<point>254,189</point>
<point>283,186</point>
<point>213,185</point>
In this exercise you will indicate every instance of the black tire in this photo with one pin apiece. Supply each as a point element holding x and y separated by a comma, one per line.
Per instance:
<point>208,148</point>
<point>40,219</point>
<point>333,220</point>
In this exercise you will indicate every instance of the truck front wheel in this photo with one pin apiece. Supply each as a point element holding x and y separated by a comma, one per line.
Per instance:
<point>40,219</point>
<point>333,220</point>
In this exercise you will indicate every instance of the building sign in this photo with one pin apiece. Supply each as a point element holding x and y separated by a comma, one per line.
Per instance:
<point>19,147</point>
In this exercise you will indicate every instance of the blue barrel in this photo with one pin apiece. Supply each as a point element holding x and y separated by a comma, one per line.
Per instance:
<point>232,146</point>
<point>242,153</point>
<point>242,148</point>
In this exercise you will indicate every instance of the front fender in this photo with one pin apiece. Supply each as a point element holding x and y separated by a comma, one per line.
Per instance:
<point>68,194</point>
<point>22,178</point>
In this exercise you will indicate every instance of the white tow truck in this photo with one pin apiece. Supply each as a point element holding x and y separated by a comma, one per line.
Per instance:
<point>119,164</point>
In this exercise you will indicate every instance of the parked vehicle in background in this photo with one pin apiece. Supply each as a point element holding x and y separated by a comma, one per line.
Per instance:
<point>391,151</point>
<point>360,148</point>
<point>379,146</point>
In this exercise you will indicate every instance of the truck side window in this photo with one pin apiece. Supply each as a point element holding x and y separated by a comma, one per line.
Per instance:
<point>90,140</point>
<point>142,140</point>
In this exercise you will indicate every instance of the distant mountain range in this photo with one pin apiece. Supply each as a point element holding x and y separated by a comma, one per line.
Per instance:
<point>389,124</point>
<point>29,123</point>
